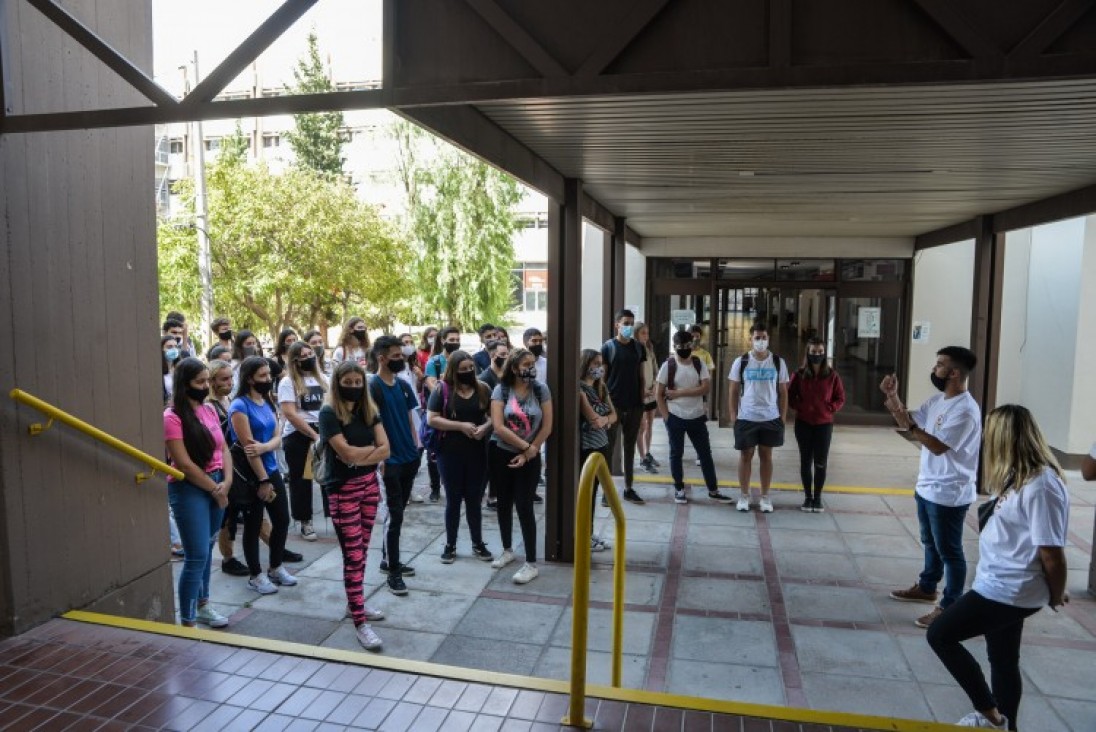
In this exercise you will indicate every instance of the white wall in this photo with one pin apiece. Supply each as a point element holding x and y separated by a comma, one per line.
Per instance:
<point>943,292</point>
<point>594,282</point>
<point>635,280</point>
<point>1082,423</point>
<point>1014,311</point>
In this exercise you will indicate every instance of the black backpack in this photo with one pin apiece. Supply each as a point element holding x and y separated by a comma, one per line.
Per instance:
<point>671,366</point>
<point>745,361</point>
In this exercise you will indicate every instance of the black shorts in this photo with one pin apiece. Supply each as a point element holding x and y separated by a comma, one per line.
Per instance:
<point>748,435</point>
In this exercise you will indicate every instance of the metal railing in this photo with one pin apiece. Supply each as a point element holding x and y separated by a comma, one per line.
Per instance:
<point>595,468</point>
<point>94,432</point>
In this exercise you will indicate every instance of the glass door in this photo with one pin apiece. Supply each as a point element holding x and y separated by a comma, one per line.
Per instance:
<point>868,347</point>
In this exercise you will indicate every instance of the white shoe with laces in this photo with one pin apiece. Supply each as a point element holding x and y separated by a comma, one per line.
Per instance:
<point>766,505</point>
<point>262,585</point>
<point>370,641</point>
<point>503,559</point>
<point>207,615</point>
<point>281,576</point>
<point>977,719</point>
<point>743,503</point>
<point>527,573</point>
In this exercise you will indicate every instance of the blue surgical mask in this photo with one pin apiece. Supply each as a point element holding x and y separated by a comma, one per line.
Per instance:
<point>627,331</point>
<point>171,354</point>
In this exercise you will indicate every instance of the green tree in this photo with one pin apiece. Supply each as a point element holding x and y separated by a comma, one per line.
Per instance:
<point>317,138</point>
<point>461,215</point>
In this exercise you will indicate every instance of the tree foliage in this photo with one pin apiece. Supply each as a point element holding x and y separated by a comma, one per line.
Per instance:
<point>316,138</point>
<point>461,215</point>
<point>296,249</point>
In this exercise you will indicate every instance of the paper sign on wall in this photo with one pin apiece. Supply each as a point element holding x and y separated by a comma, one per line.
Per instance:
<point>869,322</point>
<point>921,330</point>
<point>681,318</point>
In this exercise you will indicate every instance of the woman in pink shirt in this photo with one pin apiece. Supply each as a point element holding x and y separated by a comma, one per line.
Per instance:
<point>195,445</point>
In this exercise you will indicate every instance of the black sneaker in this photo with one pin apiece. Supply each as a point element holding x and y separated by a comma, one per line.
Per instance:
<point>448,554</point>
<point>817,507</point>
<point>396,585</point>
<point>435,496</point>
<point>720,497</point>
<point>631,496</point>
<point>537,498</point>
<point>808,505</point>
<point>291,557</point>
<point>405,569</point>
<point>234,567</point>
<point>481,552</point>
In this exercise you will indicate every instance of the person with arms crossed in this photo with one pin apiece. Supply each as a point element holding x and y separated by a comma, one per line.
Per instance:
<point>623,358</point>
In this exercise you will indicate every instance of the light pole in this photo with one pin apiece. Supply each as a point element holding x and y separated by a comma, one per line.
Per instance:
<point>205,259</point>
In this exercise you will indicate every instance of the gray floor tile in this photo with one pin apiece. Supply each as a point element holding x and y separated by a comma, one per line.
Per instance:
<point>399,643</point>
<point>861,524</point>
<point>639,588</point>
<point>746,642</point>
<point>738,596</point>
<point>737,560</point>
<point>878,545</point>
<point>800,521</point>
<point>487,654</point>
<point>866,696</point>
<point>556,664</point>
<point>836,651</point>
<point>421,609</point>
<point>753,684</point>
<point>1079,715</point>
<point>504,620</point>
<point>281,626</point>
<point>714,534</point>
<point>702,512</point>
<point>638,631</point>
<point>818,602</point>
<point>554,580</point>
<point>1060,672</point>
<point>890,571</point>
<point>816,566</point>
<point>806,540</point>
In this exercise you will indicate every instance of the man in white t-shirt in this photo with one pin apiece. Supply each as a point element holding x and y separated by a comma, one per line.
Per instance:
<point>949,428</point>
<point>681,385</point>
<point>758,406</point>
<point>1088,464</point>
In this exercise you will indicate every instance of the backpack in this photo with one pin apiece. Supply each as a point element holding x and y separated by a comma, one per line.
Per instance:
<point>321,462</point>
<point>429,437</point>
<point>614,345</point>
<point>745,361</point>
<point>671,366</point>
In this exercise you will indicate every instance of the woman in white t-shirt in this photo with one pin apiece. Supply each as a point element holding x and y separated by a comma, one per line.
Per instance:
<point>301,394</point>
<point>1021,567</point>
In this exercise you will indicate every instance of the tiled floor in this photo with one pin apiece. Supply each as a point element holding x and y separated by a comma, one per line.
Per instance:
<point>67,675</point>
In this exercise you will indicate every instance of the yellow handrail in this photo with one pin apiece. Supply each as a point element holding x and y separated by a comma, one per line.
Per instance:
<point>94,432</point>
<point>595,468</point>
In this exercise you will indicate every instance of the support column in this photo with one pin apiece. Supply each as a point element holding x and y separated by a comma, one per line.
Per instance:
<point>564,304</point>
<point>616,272</point>
<point>985,333</point>
<point>607,288</point>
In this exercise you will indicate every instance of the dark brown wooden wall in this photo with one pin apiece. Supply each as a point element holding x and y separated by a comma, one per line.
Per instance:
<point>78,328</point>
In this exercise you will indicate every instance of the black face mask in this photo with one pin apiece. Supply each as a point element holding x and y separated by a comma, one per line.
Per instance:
<point>815,359</point>
<point>684,352</point>
<point>397,365</point>
<point>450,347</point>
<point>537,350</point>
<point>308,364</point>
<point>361,335</point>
<point>937,381</point>
<point>351,393</point>
<point>198,395</point>
<point>225,336</point>
<point>468,378</point>
<point>250,351</point>
<point>500,362</point>
<point>263,387</point>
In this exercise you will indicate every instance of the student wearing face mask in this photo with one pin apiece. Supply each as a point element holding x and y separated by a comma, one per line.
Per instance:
<point>623,358</point>
<point>649,367</point>
<point>521,414</point>
<point>816,394</point>
<point>598,416</point>
<point>460,409</point>
<point>169,356</point>
<point>426,346</point>
<point>533,340</point>
<point>355,443</point>
<point>482,358</point>
<point>447,342</point>
<point>499,352</point>
<point>286,338</point>
<point>255,427</point>
<point>314,338</point>
<point>948,427</point>
<point>222,332</point>
<point>758,407</point>
<point>175,326</point>
<point>396,404</point>
<point>301,396</point>
<point>413,373</point>
<point>354,345</point>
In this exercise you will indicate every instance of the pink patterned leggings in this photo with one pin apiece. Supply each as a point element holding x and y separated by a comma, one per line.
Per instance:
<point>353,509</point>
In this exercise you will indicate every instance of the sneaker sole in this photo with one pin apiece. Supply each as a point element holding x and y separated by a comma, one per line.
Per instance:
<point>405,573</point>
<point>926,600</point>
<point>721,499</point>
<point>213,625</point>
<point>309,537</point>
<point>447,560</point>
<point>264,592</point>
<point>398,593</point>
<point>681,501</point>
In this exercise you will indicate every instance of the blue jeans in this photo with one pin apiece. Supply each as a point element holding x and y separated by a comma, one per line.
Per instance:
<point>199,519</point>
<point>697,430</point>
<point>942,537</point>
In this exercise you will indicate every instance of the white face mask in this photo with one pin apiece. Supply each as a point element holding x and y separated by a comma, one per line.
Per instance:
<point>408,350</point>
<point>761,345</point>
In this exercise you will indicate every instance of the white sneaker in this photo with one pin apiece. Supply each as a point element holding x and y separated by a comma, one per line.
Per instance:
<point>503,559</point>
<point>597,544</point>
<point>281,576</point>
<point>307,532</point>
<point>370,641</point>
<point>416,498</point>
<point>262,585</point>
<point>207,615</point>
<point>977,719</point>
<point>698,462</point>
<point>743,503</point>
<point>766,505</point>
<point>527,573</point>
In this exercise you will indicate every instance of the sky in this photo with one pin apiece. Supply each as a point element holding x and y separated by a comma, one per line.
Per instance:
<point>349,32</point>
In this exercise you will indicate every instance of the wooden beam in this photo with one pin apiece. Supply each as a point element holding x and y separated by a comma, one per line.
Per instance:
<point>984,327</point>
<point>944,14</point>
<point>947,235</point>
<point>519,39</point>
<point>103,51</point>
<point>1080,202</point>
<point>246,53</point>
<point>616,273</point>
<point>780,33</point>
<point>388,44</point>
<point>639,16</point>
<point>1053,26</point>
<point>594,212</point>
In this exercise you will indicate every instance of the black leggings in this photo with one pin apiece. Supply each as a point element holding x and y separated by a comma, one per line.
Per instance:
<point>583,455</point>
<point>515,488</point>
<point>279,527</point>
<point>296,446</point>
<point>1002,625</point>
<point>814,449</point>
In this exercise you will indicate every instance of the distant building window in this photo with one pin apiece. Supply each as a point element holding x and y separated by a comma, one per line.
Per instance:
<point>533,221</point>
<point>530,282</point>
<point>272,140</point>
<point>213,144</point>
<point>176,147</point>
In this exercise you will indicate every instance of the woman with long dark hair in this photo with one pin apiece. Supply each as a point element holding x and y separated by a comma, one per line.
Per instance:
<point>521,415</point>
<point>286,338</point>
<point>354,444</point>
<point>314,338</point>
<point>816,394</point>
<point>426,346</point>
<point>647,423</point>
<point>1021,566</point>
<point>169,356</point>
<point>255,427</point>
<point>195,445</point>
<point>598,416</point>
<point>460,408</point>
<point>354,344</point>
<point>301,396</point>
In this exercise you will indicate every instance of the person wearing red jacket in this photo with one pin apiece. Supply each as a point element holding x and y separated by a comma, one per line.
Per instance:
<point>816,394</point>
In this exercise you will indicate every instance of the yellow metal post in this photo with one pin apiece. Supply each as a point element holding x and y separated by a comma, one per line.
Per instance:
<point>94,432</point>
<point>595,468</point>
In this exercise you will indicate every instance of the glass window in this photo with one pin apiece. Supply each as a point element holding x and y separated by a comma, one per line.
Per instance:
<point>873,270</point>
<point>213,143</point>
<point>747,269</point>
<point>805,270</point>
<point>176,147</point>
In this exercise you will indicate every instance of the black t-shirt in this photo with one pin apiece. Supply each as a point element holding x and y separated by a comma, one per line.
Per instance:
<point>357,434</point>
<point>622,362</point>
<point>459,410</point>
<point>489,377</point>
